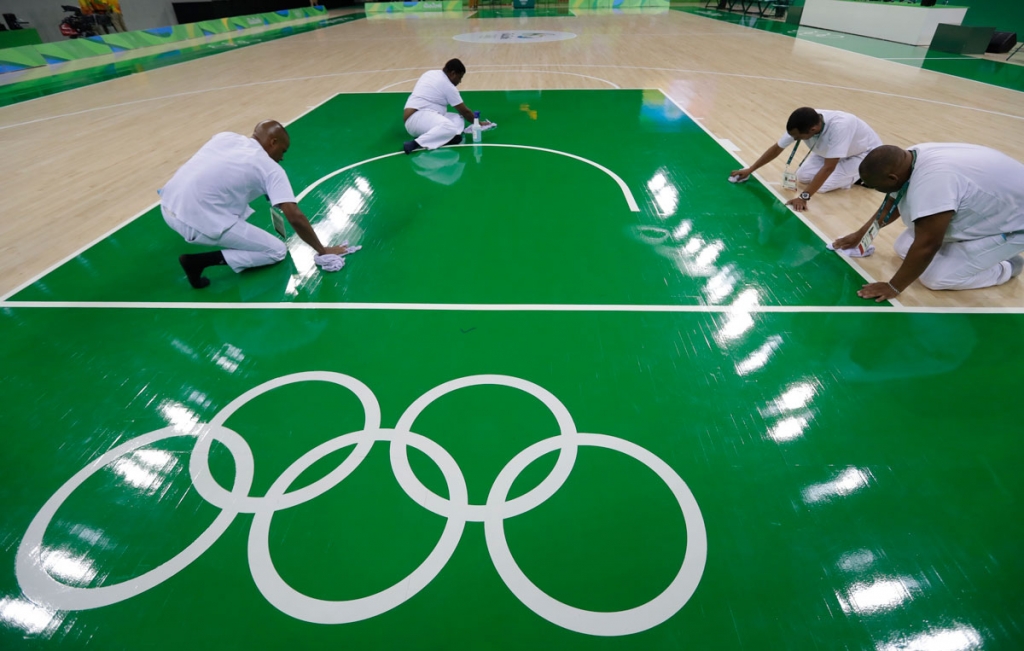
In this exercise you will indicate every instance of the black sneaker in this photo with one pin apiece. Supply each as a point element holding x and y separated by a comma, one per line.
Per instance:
<point>411,146</point>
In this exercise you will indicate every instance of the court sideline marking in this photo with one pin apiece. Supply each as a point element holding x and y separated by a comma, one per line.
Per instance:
<point>869,307</point>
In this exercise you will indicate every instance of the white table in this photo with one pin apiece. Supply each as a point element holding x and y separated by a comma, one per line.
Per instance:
<point>889,21</point>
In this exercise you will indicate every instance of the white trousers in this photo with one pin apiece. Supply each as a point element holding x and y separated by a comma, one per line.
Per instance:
<point>244,245</point>
<point>967,265</point>
<point>843,177</point>
<point>433,130</point>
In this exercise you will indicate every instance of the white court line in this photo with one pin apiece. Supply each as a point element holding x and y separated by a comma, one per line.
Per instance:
<point>824,238</point>
<point>934,59</point>
<point>630,199</point>
<point>869,307</point>
<point>113,230</point>
<point>545,72</point>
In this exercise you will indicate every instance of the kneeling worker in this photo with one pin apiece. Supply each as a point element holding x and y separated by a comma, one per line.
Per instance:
<point>426,113</point>
<point>838,141</point>
<point>964,210</point>
<point>207,202</point>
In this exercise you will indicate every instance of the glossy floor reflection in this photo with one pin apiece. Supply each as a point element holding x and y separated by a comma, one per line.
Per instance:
<point>843,507</point>
<point>769,470</point>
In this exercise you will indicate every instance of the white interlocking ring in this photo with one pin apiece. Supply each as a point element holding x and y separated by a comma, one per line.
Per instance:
<point>42,588</point>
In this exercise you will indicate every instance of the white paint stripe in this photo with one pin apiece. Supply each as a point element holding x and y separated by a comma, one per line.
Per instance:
<point>545,72</point>
<point>824,238</point>
<point>630,200</point>
<point>99,239</point>
<point>869,307</point>
<point>727,144</point>
<point>929,59</point>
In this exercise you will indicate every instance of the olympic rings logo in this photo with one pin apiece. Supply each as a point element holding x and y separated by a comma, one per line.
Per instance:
<point>40,587</point>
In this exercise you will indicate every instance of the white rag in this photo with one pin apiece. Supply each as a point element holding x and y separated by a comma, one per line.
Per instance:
<point>483,127</point>
<point>735,179</point>
<point>854,252</point>
<point>332,261</point>
<point>329,261</point>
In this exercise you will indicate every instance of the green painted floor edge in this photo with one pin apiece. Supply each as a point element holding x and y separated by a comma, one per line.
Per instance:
<point>993,73</point>
<point>22,91</point>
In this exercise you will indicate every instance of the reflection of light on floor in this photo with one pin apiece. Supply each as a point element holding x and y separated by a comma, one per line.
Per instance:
<point>856,560</point>
<point>759,357</point>
<point>666,196</point>
<point>851,479</point>
<point>23,614</point>
<point>961,638</point>
<point>795,397</point>
<point>737,323</point>
<point>178,415</point>
<point>229,358</point>
<point>682,230</point>
<point>721,285</point>
<point>145,469</point>
<point>788,429</point>
<point>338,221</point>
<point>68,567</point>
<point>878,596</point>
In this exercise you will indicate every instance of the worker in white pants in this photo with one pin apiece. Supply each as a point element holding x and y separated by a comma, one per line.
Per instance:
<point>426,114</point>
<point>970,264</point>
<point>207,202</point>
<point>838,142</point>
<point>964,210</point>
<point>432,130</point>
<point>843,176</point>
<point>244,245</point>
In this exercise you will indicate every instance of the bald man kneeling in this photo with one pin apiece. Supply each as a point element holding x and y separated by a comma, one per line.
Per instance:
<point>207,202</point>
<point>963,206</point>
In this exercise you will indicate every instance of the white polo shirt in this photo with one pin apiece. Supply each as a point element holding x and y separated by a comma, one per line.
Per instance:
<point>844,136</point>
<point>434,92</point>
<point>211,192</point>
<point>983,186</point>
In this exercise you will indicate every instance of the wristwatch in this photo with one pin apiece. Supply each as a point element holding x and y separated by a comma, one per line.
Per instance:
<point>805,196</point>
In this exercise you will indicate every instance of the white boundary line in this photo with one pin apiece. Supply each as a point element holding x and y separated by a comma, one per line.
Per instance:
<point>869,307</point>
<point>99,239</point>
<point>824,238</point>
<point>545,72</point>
<point>630,199</point>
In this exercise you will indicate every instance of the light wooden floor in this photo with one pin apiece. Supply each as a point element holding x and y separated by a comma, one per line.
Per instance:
<point>76,165</point>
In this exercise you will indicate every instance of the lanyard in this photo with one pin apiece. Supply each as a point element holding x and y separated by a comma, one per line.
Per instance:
<point>810,147</point>
<point>899,195</point>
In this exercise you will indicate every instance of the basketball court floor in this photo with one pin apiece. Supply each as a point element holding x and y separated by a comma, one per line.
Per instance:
<point>576,391</point>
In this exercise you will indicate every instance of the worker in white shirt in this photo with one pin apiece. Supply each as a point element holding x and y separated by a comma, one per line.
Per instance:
<point>838,142</point>
<point>426,114</point>
<point>207,202</point>
<point>963,206</point>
